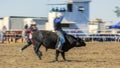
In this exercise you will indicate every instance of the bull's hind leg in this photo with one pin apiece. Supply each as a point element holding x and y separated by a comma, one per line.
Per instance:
<point>36,49</point>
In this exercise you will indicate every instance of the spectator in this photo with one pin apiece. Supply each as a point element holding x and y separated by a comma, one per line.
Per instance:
<point>25,29</point>
<point>3,33</point>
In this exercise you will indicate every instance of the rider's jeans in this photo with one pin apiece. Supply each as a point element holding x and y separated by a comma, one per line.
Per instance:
<point>61,39</point>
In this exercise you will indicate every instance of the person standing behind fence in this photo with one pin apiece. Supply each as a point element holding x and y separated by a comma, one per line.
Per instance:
<point>3,33</point>
<point>25,30</point>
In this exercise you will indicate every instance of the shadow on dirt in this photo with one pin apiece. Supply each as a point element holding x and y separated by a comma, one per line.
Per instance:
<point>77,61</point>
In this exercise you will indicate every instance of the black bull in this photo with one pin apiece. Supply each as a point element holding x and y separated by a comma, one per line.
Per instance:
<point>49,40</point>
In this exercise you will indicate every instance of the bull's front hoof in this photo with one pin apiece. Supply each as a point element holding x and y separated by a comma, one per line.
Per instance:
<point>40,58</point>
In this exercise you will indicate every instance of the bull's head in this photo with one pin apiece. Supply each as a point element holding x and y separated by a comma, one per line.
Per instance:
<point>80,42</point>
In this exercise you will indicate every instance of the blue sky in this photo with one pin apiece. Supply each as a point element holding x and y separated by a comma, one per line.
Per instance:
<point>104,9</point>
<point>38,8</point>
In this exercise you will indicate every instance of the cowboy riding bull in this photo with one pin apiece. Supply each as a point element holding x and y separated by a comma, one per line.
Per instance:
<point>50,40</point>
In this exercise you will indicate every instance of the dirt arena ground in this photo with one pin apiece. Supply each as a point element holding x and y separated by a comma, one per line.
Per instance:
<point>94,55</point>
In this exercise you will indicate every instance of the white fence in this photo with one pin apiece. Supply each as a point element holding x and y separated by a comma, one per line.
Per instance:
<point>93,37</point>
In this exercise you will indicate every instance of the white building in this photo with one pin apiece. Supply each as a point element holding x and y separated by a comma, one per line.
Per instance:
<point>17,23</point>
<point>99,26</point>
<point>76,16</point>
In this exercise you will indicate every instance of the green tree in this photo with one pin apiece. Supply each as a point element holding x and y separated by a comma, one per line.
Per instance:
<point>117,11</point>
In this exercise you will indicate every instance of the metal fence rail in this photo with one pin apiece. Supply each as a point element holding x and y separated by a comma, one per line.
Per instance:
<point>9,37</point>
<point>94,37</point>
